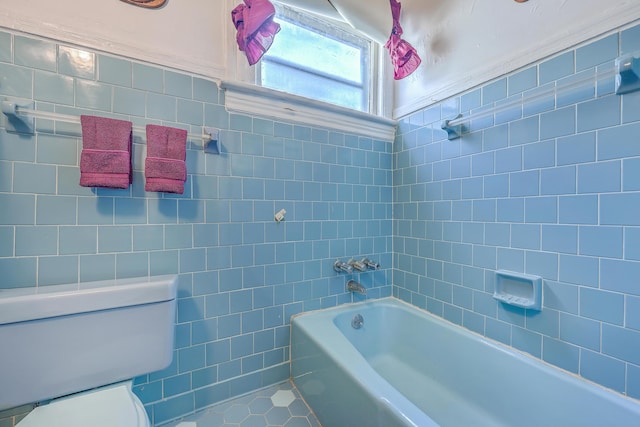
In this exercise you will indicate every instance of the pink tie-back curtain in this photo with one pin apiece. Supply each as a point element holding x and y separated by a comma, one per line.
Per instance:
<point>404,57</point>
<point>255,28</point>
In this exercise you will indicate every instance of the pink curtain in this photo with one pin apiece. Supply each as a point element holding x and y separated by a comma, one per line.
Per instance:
<point>255,28</point>
<point>404,57</point>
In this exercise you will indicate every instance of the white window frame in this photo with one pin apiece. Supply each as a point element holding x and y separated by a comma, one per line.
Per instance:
<point>244,96</point>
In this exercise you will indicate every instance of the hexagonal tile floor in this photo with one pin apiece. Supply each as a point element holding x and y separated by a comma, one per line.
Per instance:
<point>277,406</point>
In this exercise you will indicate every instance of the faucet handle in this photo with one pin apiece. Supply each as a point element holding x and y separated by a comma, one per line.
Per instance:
<point>371,264</point>
<point>358,265</point>
<point>342,267</point>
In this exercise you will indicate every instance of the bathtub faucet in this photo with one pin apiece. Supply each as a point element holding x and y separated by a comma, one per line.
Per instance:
<point>357,265</point>
<point>353,286</point>
<point>342,267</point>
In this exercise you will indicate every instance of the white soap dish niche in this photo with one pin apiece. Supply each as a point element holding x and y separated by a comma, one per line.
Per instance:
<point>518,289</point>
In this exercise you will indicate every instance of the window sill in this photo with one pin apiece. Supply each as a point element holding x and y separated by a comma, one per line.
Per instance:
<point>256,100</point>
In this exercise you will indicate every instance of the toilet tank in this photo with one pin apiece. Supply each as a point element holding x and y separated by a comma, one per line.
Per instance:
<point>58,340</point>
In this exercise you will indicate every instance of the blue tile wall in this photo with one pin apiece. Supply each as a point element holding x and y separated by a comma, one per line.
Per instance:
<point>241,275</point>
<point>550,190</point>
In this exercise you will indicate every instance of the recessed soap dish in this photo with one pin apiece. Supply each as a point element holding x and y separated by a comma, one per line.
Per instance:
<point>518,289</point>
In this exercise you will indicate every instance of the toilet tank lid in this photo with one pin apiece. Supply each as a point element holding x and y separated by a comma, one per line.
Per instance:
<point>25,304</point>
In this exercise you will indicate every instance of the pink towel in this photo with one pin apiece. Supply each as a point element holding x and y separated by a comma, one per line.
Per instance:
<point>106,152</point>
<point>256,29</point>
<point>164,168</point>
<point>404,57</point>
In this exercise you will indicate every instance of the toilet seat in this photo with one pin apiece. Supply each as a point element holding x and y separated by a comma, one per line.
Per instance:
<point>108,406</point>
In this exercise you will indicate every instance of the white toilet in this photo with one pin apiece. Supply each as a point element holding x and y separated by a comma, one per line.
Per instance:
<point>81,345</point>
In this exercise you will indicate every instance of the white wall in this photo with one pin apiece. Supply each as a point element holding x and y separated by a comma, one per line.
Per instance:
<point>463,43</point>
<point>190,35</point>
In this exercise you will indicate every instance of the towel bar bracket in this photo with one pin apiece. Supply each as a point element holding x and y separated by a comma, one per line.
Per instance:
<point>16,123</point>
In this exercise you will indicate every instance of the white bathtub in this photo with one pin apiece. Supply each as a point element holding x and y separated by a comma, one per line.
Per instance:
<point>405,367</point>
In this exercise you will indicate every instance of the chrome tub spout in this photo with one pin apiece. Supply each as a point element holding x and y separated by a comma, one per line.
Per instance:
<point>353,286</point>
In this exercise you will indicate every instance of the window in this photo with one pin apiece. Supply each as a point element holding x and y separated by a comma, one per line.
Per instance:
<point>318,60</point>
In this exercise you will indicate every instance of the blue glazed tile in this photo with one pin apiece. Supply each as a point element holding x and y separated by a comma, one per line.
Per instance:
<point>632,318</point>
<point>36,240</point>
<point>76,62</point>
<point>558,181</point>
<point>34,53</point>
<point>56,150</point>
<point>560,122</point>
<point>190,359</point>
<point>560,296</point>
<point>599,177</point>
<point>619,276</point>
<point>580,331</point>
<point>540,155</point>
<point>578,209</point>
<point>162,211</point>
<point>6,177</point>
<point>131,265</point>
<point>205,90</point>
<point>632,243</point>
<point>576,149</point>
<point>601,305</point>
<point>569,92</point>
<point>97,267</point>
<point>56,210</point>
<point>193,260</point>
<point>630,107</point>
<point>468,101</point>
<point>95,96</point>
<point>497,234</point>
<point>34,178</point>
<point>58,270</point>
<point>115,71</point>
<point>190,112</point>
<point>620,343</point>
<point>558,67</point>
<point>18,209</point>
<point>580,270</point>
<point>216,116</point>
<point>595,53</point>
<point>539,100</point>
<point>630,40</point>
<point>508,160</point>
<point>524,131</point>
<point>631,174</point>
<point>560,238</point>
<point>147,78</point>
<point>606,371</point>
<point>53,88</point>
<point>482,164</point>
<point>527,341</point>
<point>599,113</point>
<point>95,210</point>
<point>601,241</point>
<point>19,272</point>
<point>178,84</point>
<point>523,80</point>
<point>217,305</point>
<point>561,354</point>
<point>161,107</point>
<point>633,381</point>
<point>546,322</point>
<point>176,385</point>
<point>128,101</point>
<point>543,264</point>
<point>16,81</point>
<point>494,91</point>
<point>15,147</point>
<point>78,240</point>
<point>525,236</point>
<point>618,142</point>
<point>510,210</point>
<point>496,186</point>
<point>128,211</point>
<point>619,209</point>
<point>114,239</point>
<point>6,241</point>
<point>524,183</point>
<point>172,408</point>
